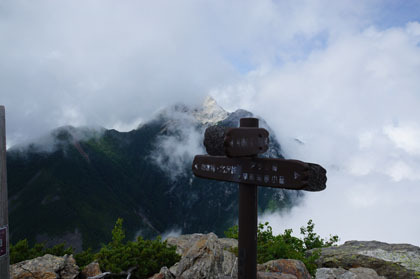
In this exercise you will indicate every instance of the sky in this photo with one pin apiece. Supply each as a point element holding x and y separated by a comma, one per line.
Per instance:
<point>342,77</point>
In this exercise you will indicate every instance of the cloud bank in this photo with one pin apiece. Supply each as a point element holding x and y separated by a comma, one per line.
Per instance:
<point>177,145</point>
<point>354,105</point>
<point>342,77</point>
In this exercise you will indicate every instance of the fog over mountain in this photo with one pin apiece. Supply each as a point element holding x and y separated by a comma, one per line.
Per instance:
<point>76,182</point>
<point>336,81</point>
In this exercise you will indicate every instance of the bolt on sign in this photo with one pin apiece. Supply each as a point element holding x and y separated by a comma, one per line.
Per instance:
<point>233,156</point>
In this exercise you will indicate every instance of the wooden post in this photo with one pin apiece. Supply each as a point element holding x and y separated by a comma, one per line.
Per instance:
<point>248,221</point>
<point>241,164</point>
<point>4,222</point>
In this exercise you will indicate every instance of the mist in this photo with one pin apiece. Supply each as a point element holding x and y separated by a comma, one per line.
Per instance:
<point>353,106</point>
<point>56,139</point>
<point>340,77</point>
<point>176,147</point>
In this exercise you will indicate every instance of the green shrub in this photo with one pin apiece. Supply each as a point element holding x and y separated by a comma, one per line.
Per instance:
<point>22,252</point>
<point>147,255</point>
<point>84,258</point>
<point>286,246</point>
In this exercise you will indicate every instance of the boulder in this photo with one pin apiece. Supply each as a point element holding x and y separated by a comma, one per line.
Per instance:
<point>46,267</point>
<point>207,256</point>
<point>90,270</point>
<point>273,275</point>
<point>390,260</point>
<point>203,256</point>
<point>70,269</point>
<point>282,266</point>
<point>352,273</point>
<point>164,273</point>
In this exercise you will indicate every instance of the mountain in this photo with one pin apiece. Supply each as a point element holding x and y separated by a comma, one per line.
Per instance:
<point>74,183</point>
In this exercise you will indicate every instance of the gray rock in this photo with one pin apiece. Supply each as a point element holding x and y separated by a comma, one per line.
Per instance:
<point>46,267</point>
<point>274,275</point>
<point>353,273</point>
<point>405,254</point>
<point>367,273</point>
<point>396,261</point>
<point>164,273</point>
<point>90,270</point>
<point>286,266</point>
<point>206,256</point>
<point>203,256</point>
<point>329,273</point>
<point>70,270</point>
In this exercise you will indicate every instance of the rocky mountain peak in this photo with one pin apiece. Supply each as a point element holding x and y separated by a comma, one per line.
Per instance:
<point>210,112</point>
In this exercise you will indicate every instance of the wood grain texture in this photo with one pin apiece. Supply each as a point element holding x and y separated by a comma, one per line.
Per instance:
<point>4,220</point>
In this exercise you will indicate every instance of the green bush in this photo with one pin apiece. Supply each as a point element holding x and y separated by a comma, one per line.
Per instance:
<point>22,252</point>
<point>286,246</point>
<point>84,258</point>
<point>147,255</point>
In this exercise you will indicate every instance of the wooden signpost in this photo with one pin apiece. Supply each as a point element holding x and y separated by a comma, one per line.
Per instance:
<point>4,230</point>
<point>233,157</point>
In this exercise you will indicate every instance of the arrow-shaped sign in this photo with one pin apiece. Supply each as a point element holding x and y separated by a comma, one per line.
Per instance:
<point>278,173</point>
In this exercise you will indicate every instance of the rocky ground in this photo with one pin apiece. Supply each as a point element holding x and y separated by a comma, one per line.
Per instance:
<point>207,256</point>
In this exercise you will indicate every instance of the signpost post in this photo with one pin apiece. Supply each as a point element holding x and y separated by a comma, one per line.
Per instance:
<point>233,157</point>
<point>4,237</point>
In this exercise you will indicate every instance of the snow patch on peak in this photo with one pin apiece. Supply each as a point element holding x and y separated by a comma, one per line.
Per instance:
<point>210,112</point>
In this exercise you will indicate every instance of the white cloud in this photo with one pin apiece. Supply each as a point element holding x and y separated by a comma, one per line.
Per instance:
<point>405,137</point>
<point>340,76</point>
<point>400,170</point>
<point>176,147</point>
<point>127,126</point>
<point>123,61</point>
<point>355,105</point>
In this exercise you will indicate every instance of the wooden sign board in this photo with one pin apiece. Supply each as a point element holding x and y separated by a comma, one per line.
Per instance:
<point>235,142</point>
<point>241,146</point>
<point>240,142</point>
<point>277,173</point>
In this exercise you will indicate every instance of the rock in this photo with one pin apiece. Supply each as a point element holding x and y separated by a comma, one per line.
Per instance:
<point>90,270</point>
<point>283,266</point>
<point>273,275</point>
<point>70,270</point>
<point>390,260</point>
<point>329,273</point>
<point>353,273</point>
<point>204,256</point>
<point>365,273</point>
<point>164,273</point>
<point>46,267</point>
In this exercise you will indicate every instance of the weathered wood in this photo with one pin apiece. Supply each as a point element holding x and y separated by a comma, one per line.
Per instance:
<point>4,220</point>
<point>247,222</point>
<point>214,140</point>
<point>241,146</point>
<point>246,141</point>
<point>235,142</point>
<point>267,172</point>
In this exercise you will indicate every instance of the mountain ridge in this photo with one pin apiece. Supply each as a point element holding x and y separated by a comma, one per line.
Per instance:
<point>77,190</point>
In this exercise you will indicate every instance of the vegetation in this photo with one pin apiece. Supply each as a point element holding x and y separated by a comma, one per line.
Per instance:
<point>145,256</point>
<point>21,251</point>
<point>286,246</point>
<point>148,256</point>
